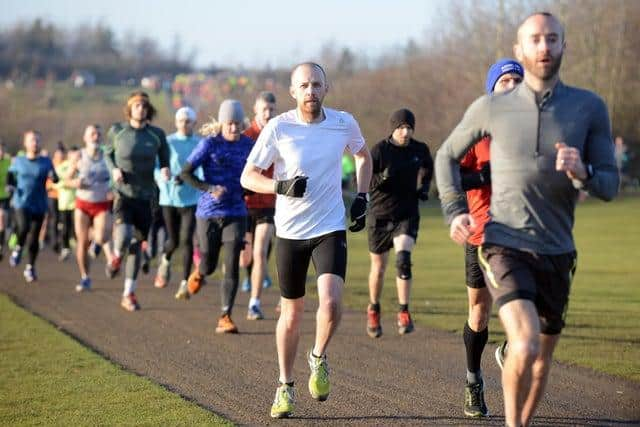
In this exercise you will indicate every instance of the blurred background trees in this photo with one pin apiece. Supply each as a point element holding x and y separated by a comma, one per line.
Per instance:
<point>436,76</point>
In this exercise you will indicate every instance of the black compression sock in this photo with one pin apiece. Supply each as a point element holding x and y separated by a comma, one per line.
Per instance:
<point>375,307</point>
<point>474,343</point>
<point>404,307</point>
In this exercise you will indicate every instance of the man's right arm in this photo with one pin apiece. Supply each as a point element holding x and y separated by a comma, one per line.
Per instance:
<point>469,131</point>
<point>109,148</point>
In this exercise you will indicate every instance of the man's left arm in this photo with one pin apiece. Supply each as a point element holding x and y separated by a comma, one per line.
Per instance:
<point>595,171</point>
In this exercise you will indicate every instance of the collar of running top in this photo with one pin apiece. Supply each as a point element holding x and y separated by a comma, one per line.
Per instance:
<point>525,90</point>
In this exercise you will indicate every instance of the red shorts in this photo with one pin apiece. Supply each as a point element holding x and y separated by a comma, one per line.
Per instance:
<point>93,209</point>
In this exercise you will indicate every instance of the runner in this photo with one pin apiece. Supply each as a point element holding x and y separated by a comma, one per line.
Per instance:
<point>475,170</point>
<point>221,215</point>
<point>178,202</point>
<point>66,171</point>
<point>27,181</point>
<point>50,231</point>
<point>402,172</point>
<point>5,162</point>
<point>548,140</point>
<point>131,152</point>
<point>261,207</point>
<point>305,146</point>
<point>93,206</point>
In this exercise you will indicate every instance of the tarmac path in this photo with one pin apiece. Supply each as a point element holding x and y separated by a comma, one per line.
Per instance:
<point>410,380</point>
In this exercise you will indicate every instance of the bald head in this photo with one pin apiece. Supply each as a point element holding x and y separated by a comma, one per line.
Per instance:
<point>308,66</point>
<point>537,20</point>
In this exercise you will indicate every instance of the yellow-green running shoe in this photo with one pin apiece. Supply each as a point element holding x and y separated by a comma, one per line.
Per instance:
<point>319,385</point>
<point>284,402</point>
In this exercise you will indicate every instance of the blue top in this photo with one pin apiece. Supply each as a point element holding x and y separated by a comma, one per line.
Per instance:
<point>222,163</point>
<point>31,176</point>
<point>172,194</point>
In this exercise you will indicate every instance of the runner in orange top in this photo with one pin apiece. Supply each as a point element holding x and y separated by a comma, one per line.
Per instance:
<point>502,76</point>
<point>260,227</point>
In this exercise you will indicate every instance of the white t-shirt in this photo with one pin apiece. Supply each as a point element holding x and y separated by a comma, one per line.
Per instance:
<point>313,150</point>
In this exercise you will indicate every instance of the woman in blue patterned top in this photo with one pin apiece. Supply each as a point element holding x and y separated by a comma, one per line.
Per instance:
<point>221,211</point>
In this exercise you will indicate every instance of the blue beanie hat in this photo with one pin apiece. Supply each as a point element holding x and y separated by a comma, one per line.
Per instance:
<point>497,70</point>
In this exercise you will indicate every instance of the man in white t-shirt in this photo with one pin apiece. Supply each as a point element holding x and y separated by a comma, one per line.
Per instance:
<point>305,145</point>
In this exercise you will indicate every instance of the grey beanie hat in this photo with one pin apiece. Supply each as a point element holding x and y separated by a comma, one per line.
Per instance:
<point>230,111</point>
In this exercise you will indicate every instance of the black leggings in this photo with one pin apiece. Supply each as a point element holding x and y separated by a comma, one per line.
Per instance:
<point>28,229</point>
<point>66,219</point>
<point>53,233</point>
<point>213,233</point>
<point>180,224</point>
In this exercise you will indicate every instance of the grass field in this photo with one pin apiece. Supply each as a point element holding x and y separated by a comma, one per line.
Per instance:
<point>604,307</point>
<point>48,378</point>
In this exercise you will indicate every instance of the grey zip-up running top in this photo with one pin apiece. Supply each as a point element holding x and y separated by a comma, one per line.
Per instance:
<point>532,204</point>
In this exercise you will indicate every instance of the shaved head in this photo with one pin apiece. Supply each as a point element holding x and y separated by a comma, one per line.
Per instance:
<point>308,65</point>
<point>536,16</point>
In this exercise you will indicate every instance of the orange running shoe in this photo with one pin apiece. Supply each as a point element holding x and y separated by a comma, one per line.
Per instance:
<point>226,325</point>
<point>130,302</point>
<point>405,324</point>
<point>374,328</point>
<point>195,282</point>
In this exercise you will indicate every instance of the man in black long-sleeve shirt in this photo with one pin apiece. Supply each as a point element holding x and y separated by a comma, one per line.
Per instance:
<point>402,171</point>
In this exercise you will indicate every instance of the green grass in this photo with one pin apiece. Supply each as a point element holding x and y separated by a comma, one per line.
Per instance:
<point>604,308</point>
<point>48,378</point>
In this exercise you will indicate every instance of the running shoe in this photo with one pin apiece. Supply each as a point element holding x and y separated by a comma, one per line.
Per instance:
<point>195,282</point>
<point>64,254</point>
<point>29,274</point>
<point>254,313</point>
<point>319,385</point>
<point>226,325</point>
<point>284,402</point>
<point>16,256</point>
<point>130,302</point>
<point>405,324</point>
<point>246,285</point>
<point>501,354</point>
<point>112,268</point>
<point>84,285</point>
<point>474,404</point>
<point>374,328</point>
<point>267,282</point>
<point>183,291</point>
<point>164,273</point>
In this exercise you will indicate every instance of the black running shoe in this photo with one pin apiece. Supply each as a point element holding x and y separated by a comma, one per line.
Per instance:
<point>474,405</point>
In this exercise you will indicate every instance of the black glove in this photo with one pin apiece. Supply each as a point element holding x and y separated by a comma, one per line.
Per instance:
<point>473,180</point>
<point>294,187</point>
<point>177,180</point>
<point>358,212</point>
<point>485,173</point>
<point>423,193</point>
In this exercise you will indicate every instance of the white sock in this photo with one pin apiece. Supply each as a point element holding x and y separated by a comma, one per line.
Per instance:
<point>129,287</point>
<point>254,302</point>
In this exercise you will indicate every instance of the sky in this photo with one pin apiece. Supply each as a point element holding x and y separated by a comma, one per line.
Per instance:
<point>242,32</point>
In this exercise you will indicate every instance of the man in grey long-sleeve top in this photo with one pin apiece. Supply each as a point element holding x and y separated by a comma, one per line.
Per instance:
<point>548,141</point>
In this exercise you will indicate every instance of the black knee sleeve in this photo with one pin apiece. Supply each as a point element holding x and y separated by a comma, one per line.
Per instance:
<point>403,265</point>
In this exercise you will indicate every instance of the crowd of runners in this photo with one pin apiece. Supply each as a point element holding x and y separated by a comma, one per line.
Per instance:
<point>508,178</point>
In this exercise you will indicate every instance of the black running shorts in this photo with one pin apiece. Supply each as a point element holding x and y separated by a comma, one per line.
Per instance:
<point>543,279</point>
<point>136,212</point>
<point>381,232</point>
<point>259,216</point>
<point>328,253</point>
<point>472,271</point>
